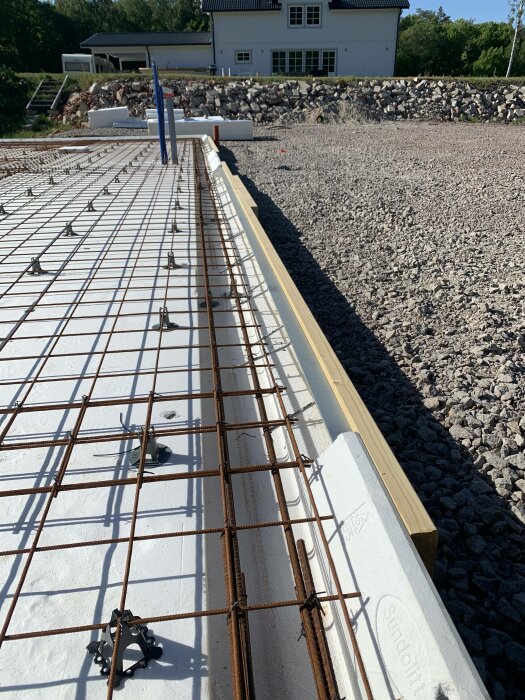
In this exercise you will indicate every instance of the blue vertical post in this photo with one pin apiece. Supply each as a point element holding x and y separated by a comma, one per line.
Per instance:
<point>159,101</point>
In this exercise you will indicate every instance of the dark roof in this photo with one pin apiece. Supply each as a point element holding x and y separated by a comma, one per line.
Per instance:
<point>368,4</point>
<point>146,39</point>
<point>248,5</point>
<point>238,5</point>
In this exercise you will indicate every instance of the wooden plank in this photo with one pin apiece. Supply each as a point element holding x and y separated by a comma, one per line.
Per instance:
<point>413,514</point>
<point>246,196</point>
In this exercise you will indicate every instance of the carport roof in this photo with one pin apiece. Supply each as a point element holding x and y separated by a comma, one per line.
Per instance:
<point>146,39</point>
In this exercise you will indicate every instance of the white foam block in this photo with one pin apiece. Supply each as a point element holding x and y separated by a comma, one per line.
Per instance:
<point>152,114</point>
<point>409,644</point>
<point>100,118</point>
<point>131,123</point>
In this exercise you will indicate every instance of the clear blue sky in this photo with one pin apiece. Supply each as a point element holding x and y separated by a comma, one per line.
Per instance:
<point>478,10</point>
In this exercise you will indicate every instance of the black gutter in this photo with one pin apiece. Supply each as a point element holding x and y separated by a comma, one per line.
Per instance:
<point>149,56</point>
<point>213,37</point>
<point>397,42</point>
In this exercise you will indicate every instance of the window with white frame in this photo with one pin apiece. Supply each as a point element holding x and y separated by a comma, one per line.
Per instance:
<point>313,15</point>
<point>278,62</point>
<point>295,61</point>
<point>329,61</point>
<point>304,16</point>
<point>243,57</point>
<point>312,62</point>
<point>295,15</point>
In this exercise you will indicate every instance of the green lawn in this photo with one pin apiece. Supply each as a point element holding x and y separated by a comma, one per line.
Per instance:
<point>44,130</point>
<point>84,80</point>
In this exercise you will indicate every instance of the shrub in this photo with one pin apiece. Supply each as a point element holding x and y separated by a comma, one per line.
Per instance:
<point>41,123</point>
<point>13,99</point>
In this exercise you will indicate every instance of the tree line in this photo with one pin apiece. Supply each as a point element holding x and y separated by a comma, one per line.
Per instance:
<point>430,43</point>
<point>34,34</point>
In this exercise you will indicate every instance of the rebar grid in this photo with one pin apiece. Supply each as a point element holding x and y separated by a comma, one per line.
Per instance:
<point>237,608</point>
<point>71,181</point>
<point>69,444</point>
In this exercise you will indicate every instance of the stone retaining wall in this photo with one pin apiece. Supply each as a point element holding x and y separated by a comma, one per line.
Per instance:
<point>311,100</point>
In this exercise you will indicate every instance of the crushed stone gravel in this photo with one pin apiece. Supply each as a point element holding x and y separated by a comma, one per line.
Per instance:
<point>407,241</point>
<point>87,132</point>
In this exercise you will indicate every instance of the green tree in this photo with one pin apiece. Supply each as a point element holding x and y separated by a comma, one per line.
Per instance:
<point>460,48</point>
<point>33,35</point>
<point>492,61</point>
<point>492,49</point>
<point>13,98</point>
<point>422,43</point>
<point>431,44</point>
<point>136,13</point>
<point>177,16</point>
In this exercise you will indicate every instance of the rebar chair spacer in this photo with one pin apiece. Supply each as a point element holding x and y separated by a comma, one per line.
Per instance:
<point>2,210</point>
<point>29,192</point>
<point>174,227</point>
<point>90,206</point>
<point>130,633</point>
<point>36,269</point>
<point>115,179</point>
<point>68,231</point>
<point>177,204</point>
<point>172,265</point>
<point>156,452</point>
<point>51,181</point>
<point>164,320</point>
<point>105,191</point>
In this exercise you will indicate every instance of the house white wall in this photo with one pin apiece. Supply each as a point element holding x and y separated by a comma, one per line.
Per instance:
<point>199,56</point>
<point>365,40</point>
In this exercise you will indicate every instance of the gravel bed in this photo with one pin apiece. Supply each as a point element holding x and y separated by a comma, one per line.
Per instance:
<point>407,242</point>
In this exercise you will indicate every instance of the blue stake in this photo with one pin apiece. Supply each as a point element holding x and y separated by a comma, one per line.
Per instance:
<point>159,101</point>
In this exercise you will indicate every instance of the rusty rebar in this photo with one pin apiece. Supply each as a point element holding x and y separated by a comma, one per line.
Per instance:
<point>241,663</point>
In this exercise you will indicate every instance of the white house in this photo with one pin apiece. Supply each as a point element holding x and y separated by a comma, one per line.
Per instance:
<point>268,37</point>
<point>319,37</point>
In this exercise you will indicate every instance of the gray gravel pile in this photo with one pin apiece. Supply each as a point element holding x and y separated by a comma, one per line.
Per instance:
<point>407,242</point>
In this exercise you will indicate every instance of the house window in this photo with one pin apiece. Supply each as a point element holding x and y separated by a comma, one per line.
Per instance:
<point>243,57</point>
<point>295,61</point>
<point>295,15</point>
<point>313,15</point>
<point>278,62</point>
<point>329,61</point>
<point>312,61</point>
